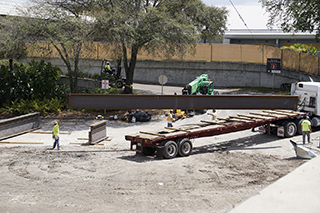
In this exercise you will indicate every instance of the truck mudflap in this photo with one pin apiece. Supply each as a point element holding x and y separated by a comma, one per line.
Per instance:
<point>159,153</point>
<point>280,131</point>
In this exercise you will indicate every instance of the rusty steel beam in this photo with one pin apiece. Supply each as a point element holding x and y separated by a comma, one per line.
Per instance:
<point>18,125</point>
<point>87,101</point>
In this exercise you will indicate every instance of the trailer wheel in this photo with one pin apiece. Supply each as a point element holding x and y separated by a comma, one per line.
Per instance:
<point>185,147</point>
<point>119,83</point>
<point>290,129</point>
<point>148,151</point>
<point>170,149</point>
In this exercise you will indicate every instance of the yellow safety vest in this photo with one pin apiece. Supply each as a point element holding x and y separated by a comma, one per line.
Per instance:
<point>305,125</point>
<point>107,67</point>
<point>55,130</point>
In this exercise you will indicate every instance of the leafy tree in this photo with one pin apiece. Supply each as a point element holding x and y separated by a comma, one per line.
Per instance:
<point>12,46</point>
<point>212,23</point>
<point>62,23</point>
<point>158,27</point>
<point>44,79</point>
<point>294,15</point>
<point>302,48</point>
<point>35,80</point>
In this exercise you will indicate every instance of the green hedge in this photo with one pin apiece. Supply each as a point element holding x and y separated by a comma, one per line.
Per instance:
<point>44,106</point>
<point>34,88</point>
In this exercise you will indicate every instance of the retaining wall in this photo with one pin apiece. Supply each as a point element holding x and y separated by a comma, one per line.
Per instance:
<point>179,73</point>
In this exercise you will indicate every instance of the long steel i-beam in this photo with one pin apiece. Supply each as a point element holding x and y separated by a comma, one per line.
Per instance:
<point>86,101</point>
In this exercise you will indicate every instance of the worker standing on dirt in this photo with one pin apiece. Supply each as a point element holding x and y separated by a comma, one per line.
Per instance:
<point>55,134</point>
<point>306,129</point>
<point>170,119</point>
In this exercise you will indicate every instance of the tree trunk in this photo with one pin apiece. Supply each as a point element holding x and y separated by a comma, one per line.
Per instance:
<point>128,89</point>
<point>71,78</point>
<point>10,81</point>
<point>77,51</point>
<point>73,75</point>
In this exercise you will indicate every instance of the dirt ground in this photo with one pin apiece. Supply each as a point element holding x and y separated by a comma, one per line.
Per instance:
<point>221,172</point>
<point>96,179</point>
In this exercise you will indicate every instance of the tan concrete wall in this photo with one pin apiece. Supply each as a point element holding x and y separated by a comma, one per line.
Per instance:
<point>204,52</point>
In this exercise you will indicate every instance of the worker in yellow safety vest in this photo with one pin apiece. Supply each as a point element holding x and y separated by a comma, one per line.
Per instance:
<point>306,129</point>
<point>108,68</point>
<point>170,119</point>
<point>55,134</point>
<point>213,114</point>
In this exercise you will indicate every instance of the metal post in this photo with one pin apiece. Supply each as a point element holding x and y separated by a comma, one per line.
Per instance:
<point>105,111</point>
<point>272,80</point>
<point>161,89</point>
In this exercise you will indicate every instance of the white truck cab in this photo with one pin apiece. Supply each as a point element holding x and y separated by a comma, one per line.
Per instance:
<point>309,96</point>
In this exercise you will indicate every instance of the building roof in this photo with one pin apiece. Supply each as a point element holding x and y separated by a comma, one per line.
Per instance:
<point>265,34</point>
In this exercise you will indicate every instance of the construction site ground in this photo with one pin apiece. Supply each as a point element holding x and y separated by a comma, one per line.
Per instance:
<point>222,172</point>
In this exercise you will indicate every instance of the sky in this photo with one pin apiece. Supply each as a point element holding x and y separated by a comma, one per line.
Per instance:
<point>250,10</point>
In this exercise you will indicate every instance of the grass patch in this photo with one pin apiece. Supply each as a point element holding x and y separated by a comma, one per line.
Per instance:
<point>263,90</point>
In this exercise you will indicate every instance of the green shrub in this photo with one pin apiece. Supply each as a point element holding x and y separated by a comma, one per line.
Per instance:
<point>43,79</point>
<point>35,80</point>
<point>102,91</point>
<point>44,106</point>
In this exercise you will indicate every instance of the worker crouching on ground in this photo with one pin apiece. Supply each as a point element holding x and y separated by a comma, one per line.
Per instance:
<point>55,135</point>
<point>213,114</point>
<point>306,129</point>
<point>170,119</point>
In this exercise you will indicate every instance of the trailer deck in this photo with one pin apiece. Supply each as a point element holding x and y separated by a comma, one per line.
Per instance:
<point>149,142</point>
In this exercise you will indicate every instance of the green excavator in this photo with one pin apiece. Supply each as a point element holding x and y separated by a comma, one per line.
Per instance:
<point>202,85</point>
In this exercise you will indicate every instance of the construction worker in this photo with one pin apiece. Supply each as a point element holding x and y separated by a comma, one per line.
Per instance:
<point>55,134</point>
<point>170,119</point>
<point>306,129</point>
<point>108,68</point>
<point>214,115</point>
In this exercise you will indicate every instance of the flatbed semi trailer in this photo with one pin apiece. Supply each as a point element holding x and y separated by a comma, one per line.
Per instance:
<point>170,142</point>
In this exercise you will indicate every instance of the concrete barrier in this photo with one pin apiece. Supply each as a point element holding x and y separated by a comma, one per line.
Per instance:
<point>18,125</point>
<point>98,132</point>
<point>179,73</point>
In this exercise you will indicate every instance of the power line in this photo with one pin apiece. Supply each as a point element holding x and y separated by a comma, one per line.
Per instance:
<point>245,24</point>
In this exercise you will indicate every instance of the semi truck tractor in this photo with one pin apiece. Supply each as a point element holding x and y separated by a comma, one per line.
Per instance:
<point>309,100</point>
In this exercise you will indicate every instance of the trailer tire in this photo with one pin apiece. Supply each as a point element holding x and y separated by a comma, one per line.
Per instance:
<point>170,149</point>
<point>185,147</point>
<point>119,83</point>
<point>290,129</point>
